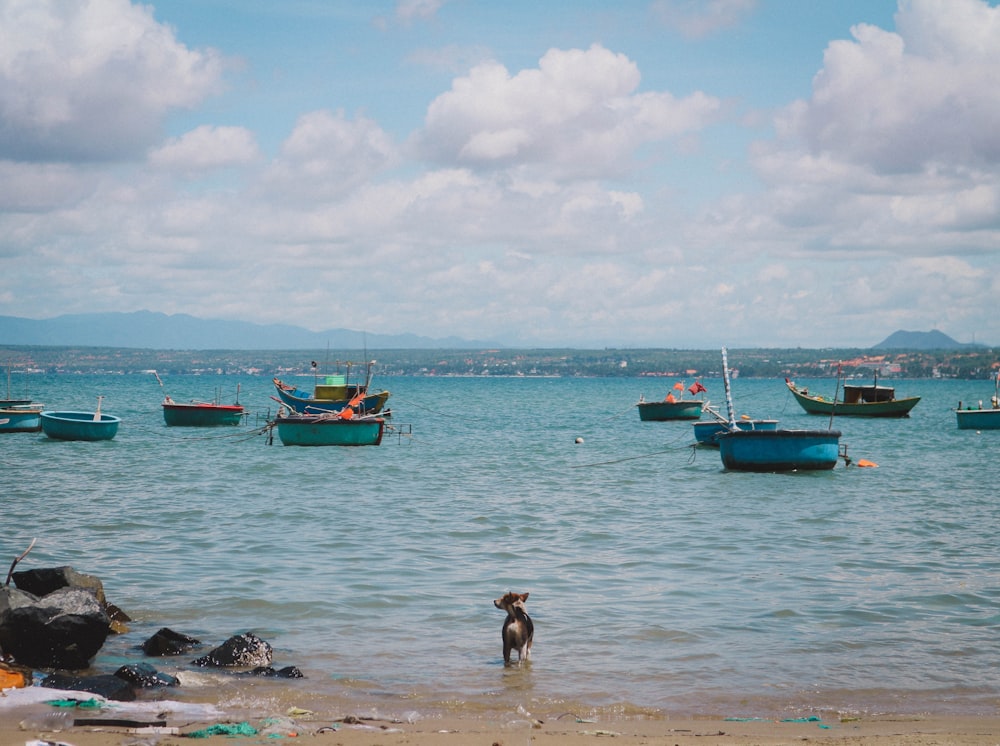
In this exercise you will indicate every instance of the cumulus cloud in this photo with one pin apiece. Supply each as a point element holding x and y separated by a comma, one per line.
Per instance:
<point>327,156</point>
<point>579,112</point>
<point>698,18</point>
<point>407,10</point>
<point>897,149</point>
<point>206,148</point>
<point>905,100</point>
<point>92,80</point>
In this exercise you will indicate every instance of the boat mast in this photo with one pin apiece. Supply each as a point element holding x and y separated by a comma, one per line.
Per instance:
<point>729,394</point>
<point>836,393</point>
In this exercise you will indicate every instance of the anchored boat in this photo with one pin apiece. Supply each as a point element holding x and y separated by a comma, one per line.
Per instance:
<point>774,450</point>
<point>80,425</point>
<point>673,407</point>
<point>858,401</point>
<point>980,418</point>
<point>331,393</point>
<point>19,415</point>
<point>329,429</point>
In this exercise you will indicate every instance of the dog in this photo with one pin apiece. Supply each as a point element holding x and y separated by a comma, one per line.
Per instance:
<point>518,629</point>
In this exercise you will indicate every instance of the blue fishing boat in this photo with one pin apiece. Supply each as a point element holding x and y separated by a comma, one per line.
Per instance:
<point>706,432</point>
<point>329,429</point>
<point>980,418</point>
<point>673,407</point>
<point>19,415</point>
<point>774,450</point>
<point>779,450</point>
<point>80,425</point>
<point>331,393</point>
<point>24,418</point>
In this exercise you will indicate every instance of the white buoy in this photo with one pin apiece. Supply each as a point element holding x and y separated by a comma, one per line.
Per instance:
<point>579,440</point>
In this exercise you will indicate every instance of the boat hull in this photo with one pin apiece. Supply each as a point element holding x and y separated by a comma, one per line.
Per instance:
<point>823,406</point>
<point>330,431</point>
<point>20,420</point>
<point>779,450</point>
<point>202,415</point>
<point>79,425</point>
<point>706,433</point>
<point>978,419</point>
<point>301,402</point>
<point>662,411</point>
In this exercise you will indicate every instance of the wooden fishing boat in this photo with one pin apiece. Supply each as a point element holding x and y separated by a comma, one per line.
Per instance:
<point>673,407</point>
<point>858,401</point>
<point>79,425</point>
<point>774,450</point>
<point>978,417</point>
<point>331,393</point>
<point>201,414</point>
<point>198,413</point>
<point>24,418</point>
<point>329,429</point>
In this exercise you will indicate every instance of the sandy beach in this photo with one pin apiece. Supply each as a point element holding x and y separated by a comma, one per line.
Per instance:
<point>880,731</point>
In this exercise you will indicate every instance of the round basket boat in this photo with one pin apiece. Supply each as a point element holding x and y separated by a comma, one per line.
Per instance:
<point>79,425</point>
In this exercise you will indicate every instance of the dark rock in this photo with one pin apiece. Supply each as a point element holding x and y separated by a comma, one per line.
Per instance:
<point>44,580</point>
<point>107,685</point>
<point>288,672</point>
<point>63,629</point>
<point>168,642</point>
<point>244,650</point>
<point>144,676</point>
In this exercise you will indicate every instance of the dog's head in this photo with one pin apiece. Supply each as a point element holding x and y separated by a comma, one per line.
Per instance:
<point>510,601</point>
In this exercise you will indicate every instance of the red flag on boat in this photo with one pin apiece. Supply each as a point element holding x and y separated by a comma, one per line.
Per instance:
<point>696,387</point>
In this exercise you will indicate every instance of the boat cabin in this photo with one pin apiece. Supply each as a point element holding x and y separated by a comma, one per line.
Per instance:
<point>868,394</point>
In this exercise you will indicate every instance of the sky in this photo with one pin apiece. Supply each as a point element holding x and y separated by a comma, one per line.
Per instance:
<point>565,173</point>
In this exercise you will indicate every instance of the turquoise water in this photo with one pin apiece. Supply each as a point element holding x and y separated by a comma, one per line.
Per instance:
<point>660,584</point>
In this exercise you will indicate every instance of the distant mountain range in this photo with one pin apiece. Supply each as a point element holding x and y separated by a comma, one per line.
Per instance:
<point>158,331</point>
<point>932,340</point>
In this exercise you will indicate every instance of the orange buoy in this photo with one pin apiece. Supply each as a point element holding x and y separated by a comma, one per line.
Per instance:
<point>866,462</point>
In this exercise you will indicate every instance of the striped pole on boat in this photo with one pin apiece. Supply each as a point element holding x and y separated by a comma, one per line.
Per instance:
<point>729,394</point>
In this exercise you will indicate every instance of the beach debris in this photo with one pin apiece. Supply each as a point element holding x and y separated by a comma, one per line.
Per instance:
<point>167,642</point>
<point>17,559</point>
<point>246,650</point>
<point>52,722</point>
<point>14,677</point>
<point>62,630</point>
<point>224,729</point>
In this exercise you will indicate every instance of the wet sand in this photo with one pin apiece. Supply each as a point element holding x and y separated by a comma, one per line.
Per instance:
<point>561,731</point>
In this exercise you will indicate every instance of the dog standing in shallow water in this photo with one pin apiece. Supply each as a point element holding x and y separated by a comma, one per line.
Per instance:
<point>518,628</point>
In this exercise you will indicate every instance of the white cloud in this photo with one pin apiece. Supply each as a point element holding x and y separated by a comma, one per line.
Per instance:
<point>407,10</point>
<point>698,18</point>
<point>904,101</point>
<point>578,113</point>
<point>327,156</point>
<point>91,80</point>
<point>206,148</point>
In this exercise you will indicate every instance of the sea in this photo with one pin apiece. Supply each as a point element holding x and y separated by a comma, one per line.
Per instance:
<point>660,584</point>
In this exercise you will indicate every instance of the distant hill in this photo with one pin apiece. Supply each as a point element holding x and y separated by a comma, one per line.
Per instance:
<point>159,331</point>
<point>932,340</point>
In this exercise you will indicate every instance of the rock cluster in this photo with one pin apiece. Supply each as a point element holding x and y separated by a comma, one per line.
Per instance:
<point>58,619</point>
